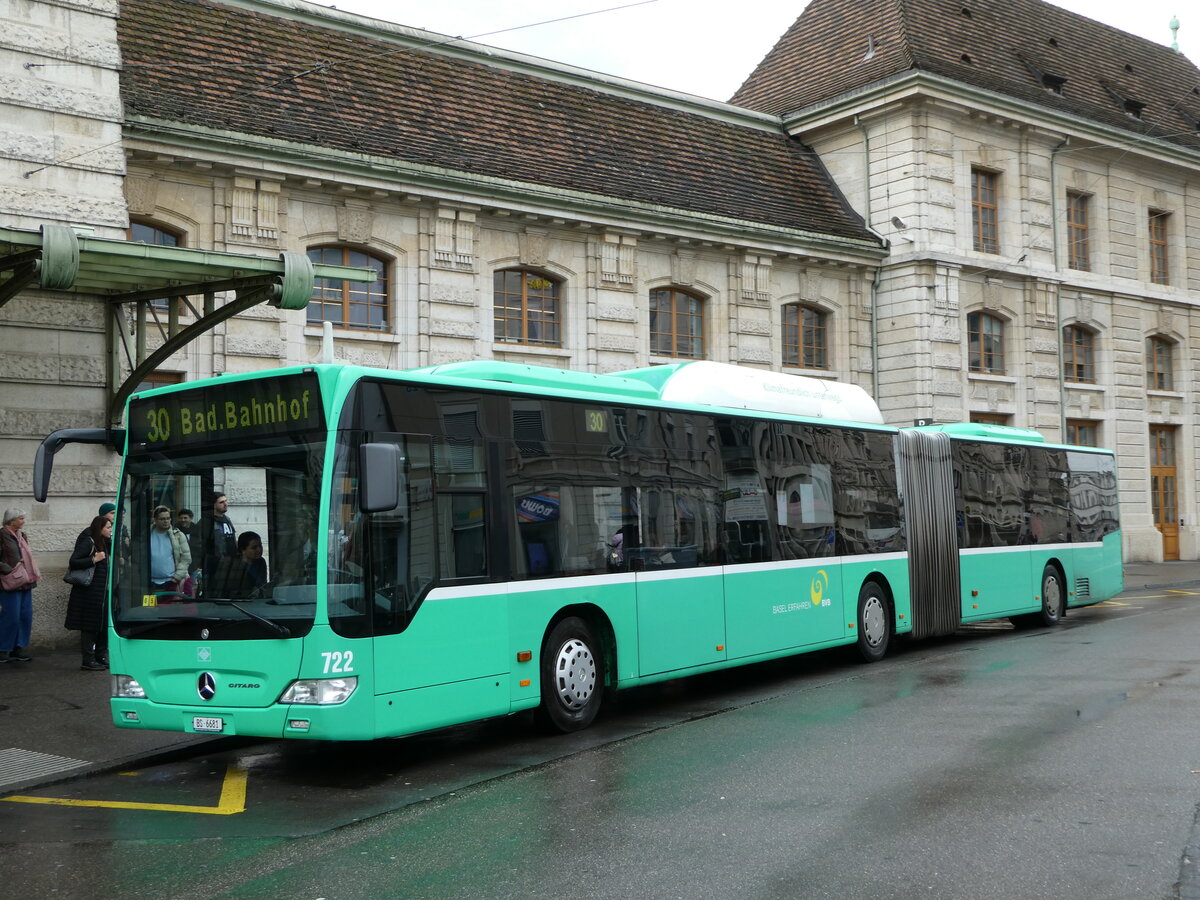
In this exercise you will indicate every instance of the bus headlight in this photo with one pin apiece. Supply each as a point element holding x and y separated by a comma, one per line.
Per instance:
<point>127,688</point>
<point>320,691</point>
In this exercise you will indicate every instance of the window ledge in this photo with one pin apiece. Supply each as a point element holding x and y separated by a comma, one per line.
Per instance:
<point>356,334</point>
<point>997,379</point>
<point>1166,395</point>
<point>823,374</point>
<point>535,349</point>
<point>1084,386</point>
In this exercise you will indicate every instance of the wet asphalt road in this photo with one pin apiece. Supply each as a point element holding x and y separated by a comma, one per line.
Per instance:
<point>1061,763</point>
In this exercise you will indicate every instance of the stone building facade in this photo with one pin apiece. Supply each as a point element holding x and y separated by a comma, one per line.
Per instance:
<point>897,204</point>
<point>61,162</point>
<point>1080,262</point>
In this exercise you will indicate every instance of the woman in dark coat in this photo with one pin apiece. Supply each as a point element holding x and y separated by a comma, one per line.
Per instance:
<point>85,608</point>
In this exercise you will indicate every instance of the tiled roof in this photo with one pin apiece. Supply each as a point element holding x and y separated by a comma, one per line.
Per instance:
<point>237,69</point>
<point>1004,46</point>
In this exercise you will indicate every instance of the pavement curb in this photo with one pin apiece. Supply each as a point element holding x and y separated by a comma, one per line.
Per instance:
<point>183,749</point>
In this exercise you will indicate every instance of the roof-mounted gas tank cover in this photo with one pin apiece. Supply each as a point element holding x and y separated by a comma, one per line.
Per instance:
<point>741,387</point>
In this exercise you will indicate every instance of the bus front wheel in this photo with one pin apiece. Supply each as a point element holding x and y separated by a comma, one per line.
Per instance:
<point>572,676</point>
<point>874,630</point>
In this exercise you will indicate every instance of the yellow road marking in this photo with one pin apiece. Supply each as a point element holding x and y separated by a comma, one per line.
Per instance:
<point>232,802</point>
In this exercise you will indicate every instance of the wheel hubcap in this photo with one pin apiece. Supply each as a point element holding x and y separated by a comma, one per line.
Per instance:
<point>1053,597</point>
<point>874,623</point>
<point>575,674</point>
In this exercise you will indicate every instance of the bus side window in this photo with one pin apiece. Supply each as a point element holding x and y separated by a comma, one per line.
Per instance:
<point>462,538</point>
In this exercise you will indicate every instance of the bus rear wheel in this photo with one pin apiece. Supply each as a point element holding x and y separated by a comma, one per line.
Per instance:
<point>874,630</point>
<point>1052,602</point>
<point>572,676</point>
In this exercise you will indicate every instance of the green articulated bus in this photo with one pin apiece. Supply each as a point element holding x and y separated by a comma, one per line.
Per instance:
<point>470,540</point>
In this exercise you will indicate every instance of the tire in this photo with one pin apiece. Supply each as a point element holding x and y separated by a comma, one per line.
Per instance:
<point>874,627</point>
<point>572,676</point>
<point>1052,597</point>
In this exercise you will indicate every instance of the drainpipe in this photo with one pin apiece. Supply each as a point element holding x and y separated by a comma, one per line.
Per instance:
<point>878,269</point>
<point>1058,313</point>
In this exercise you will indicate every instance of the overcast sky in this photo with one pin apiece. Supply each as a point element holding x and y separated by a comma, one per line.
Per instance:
<point>698,46</point>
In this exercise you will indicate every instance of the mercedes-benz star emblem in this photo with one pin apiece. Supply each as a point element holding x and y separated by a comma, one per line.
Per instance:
<point>206,686</point>
<point>204,634</point>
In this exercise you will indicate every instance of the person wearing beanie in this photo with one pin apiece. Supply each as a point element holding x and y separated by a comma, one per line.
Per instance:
<point>18,575</point>
<point>108,510</point>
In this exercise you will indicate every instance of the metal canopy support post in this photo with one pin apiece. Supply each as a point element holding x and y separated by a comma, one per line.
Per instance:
<point>144,365</point>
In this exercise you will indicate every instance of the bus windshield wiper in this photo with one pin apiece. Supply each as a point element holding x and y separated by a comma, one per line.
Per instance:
<point>273,627</point>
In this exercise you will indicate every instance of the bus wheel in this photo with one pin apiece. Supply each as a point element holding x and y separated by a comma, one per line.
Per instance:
<point>572,676</point>
<point>1052,597</point>
<point>874,633</point>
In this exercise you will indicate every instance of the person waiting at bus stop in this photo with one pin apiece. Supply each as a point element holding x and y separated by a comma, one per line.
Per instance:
<point>169,553</point>
<point>85,607</point>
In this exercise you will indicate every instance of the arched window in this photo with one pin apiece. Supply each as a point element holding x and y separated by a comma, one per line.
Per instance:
<point>985,343</point>
<point>527,308</point>
<point>350,304</point>
<point>676,324</point>
<point>1079,359</point>
<point>1160,364</point>
<point>146,233</point>
<point>805,340</point>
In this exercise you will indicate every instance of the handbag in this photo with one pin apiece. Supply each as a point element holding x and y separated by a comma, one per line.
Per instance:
<point>80,577</point>
<point>16,579</point>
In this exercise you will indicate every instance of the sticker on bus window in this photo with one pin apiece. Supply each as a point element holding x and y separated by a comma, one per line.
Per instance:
<point>149,600</point>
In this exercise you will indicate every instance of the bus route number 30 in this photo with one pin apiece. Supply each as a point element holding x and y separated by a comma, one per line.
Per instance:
<point>339,662</point>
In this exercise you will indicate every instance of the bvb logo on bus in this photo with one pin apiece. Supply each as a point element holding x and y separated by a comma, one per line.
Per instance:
<point>820,584</point>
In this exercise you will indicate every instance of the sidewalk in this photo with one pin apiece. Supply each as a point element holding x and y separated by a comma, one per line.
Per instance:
<point>1140,575</point>
<point>55,723</point>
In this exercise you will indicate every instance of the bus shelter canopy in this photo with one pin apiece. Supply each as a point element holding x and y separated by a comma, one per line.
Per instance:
<point>60,258</point>
<point>67,259</point>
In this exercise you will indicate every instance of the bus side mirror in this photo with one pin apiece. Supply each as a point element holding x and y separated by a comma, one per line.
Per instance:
<point>378,478</point>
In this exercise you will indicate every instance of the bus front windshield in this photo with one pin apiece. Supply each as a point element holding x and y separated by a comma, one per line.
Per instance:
<point>245,566</point>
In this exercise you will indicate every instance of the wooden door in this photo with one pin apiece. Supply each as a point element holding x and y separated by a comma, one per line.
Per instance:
<point>1164,487</point>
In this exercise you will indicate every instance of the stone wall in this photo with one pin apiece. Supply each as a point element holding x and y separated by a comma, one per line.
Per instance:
<point>917,193</point>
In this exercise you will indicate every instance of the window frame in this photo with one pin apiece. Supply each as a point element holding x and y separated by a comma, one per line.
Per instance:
<point>532,317</point>
<point>158,304</point>
<point>979,337</point>
<point>1078,244</point>
<point>1076,429</point>
<point>1079,354</point>
<point>346,291</point>
<point>694,314</point>
<point>985,210</point>
<point>1160,260</point>
<point>805,343</point>
<point>1160,377</point>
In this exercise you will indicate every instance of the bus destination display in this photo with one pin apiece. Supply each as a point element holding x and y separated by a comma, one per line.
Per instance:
<point>237,410</point>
